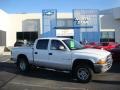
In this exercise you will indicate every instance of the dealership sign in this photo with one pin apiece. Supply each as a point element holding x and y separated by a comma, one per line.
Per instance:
<point>83,20</point>
<point>48,13</point>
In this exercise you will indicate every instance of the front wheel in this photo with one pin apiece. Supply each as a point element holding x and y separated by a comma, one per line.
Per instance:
<point>83,74</point>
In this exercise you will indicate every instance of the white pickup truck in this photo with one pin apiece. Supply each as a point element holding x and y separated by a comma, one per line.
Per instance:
<point>62,54</point>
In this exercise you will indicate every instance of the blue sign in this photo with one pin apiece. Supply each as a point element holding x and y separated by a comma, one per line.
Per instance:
<point>49,18</point>
<point>88,22</point>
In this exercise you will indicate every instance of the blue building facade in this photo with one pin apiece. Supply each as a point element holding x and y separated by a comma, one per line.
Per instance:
<point>88,23</point>
<point>49,20</point>
<point>85,24</point>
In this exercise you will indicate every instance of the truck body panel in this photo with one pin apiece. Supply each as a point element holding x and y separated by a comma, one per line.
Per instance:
<point>45,53</point>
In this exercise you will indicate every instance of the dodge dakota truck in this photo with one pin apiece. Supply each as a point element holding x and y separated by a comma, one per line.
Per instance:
<point>63,54</point>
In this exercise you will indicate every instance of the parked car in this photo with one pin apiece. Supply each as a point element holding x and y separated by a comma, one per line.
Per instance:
<point>63,54</point>
<point>116,53</point>
<point>90,45</point>
<point>19,43</point>
<point>106,45</point>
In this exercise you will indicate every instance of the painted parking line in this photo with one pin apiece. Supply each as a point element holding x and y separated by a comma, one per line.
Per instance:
<point>48,87</point>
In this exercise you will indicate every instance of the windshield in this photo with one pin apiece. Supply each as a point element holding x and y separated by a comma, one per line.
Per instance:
<point>72,44</point>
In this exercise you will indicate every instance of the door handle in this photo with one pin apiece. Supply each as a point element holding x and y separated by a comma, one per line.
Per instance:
<point>50,53</point>
<point>36,52</point>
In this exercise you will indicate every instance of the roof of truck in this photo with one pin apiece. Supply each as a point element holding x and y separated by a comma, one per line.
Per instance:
<point>57,38</point>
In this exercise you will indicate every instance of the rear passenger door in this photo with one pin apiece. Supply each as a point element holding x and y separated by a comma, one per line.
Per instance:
<point>41,52</point>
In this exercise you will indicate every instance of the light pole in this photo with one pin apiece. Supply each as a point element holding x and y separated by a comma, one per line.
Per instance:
<point>86,23</point>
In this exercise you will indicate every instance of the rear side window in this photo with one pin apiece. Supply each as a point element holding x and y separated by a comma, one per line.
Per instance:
<point>42,44</point>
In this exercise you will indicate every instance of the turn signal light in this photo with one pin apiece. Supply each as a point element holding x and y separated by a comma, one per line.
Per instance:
<point>101,62</point>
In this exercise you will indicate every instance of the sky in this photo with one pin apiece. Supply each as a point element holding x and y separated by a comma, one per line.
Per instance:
<point>36,6</point>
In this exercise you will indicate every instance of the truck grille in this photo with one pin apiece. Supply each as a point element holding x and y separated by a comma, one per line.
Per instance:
<point>109,61</point>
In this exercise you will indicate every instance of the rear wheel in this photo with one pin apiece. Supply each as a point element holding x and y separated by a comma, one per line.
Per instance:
<point>23,65</point>
<point>83,73</point>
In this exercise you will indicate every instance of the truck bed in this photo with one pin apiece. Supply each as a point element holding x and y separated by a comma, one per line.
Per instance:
<point>28,51</point>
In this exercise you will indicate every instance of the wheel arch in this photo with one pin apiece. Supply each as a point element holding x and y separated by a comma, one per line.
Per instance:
<point>22,56</point>
<point>83,62</point>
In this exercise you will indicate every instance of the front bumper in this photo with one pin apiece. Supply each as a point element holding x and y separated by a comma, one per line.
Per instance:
<point>99,68</point>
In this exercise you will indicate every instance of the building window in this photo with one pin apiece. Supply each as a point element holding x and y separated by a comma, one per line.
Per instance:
<point>107,36</point>
<point>31,25</point>
<point>2,38</point>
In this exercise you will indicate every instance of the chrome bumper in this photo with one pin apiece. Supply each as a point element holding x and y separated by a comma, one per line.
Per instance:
<point>99,68</point>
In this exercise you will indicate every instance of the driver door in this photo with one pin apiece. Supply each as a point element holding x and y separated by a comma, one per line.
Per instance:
<point>59,56</point>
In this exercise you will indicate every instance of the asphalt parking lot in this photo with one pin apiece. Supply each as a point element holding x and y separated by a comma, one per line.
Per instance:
<point>41,79</point>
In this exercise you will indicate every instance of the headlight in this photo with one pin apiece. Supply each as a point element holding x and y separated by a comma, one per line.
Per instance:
<point>101,61</point>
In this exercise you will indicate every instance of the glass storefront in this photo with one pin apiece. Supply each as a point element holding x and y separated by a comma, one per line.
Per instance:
<point>107,36</point>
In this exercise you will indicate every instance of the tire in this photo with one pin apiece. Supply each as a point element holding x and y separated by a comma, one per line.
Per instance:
<point>23,65</point>
<point>83,74</point>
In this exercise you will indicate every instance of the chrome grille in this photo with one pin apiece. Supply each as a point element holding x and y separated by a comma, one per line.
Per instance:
<point>109,61</point>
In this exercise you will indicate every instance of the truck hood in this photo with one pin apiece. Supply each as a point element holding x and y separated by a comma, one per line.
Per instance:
<point>93,52</point>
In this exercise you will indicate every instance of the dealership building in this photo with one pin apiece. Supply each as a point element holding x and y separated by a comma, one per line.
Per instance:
<point>81,24</point>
